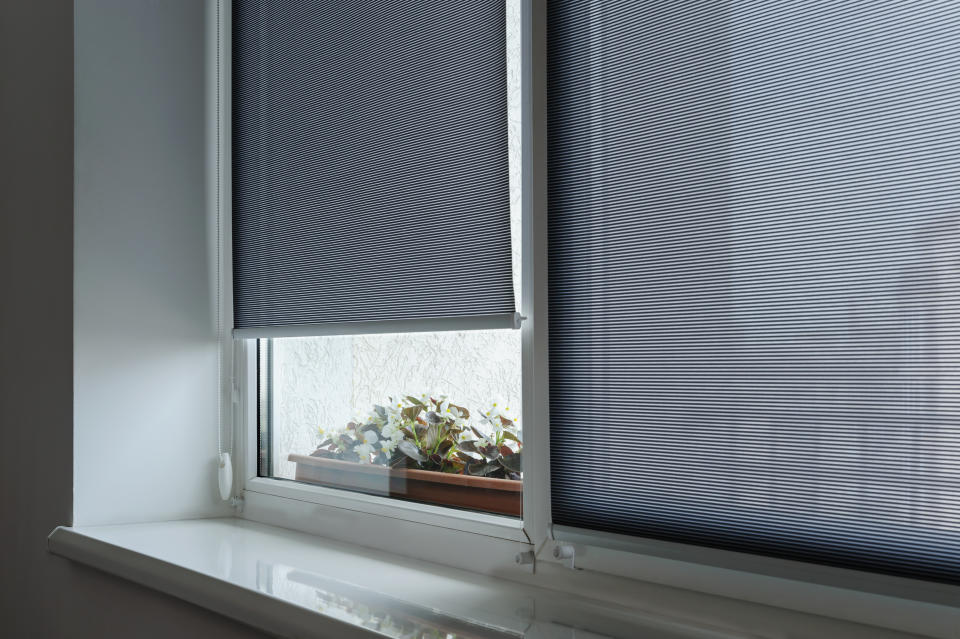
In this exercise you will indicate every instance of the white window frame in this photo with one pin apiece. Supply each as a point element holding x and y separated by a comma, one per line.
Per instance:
<point>284,502</point>
<point>600,560</point>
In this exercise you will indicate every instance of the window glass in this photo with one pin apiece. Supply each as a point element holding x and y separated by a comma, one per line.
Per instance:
<point>433,417</point>
<point>346,410</point>
<point>753,241</point>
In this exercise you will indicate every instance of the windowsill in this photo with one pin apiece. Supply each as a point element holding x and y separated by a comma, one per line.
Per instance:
<point>270,577</point>
<point>295,584</point>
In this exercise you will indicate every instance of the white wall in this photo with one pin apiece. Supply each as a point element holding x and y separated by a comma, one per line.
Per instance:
<point>328,381</point>
<point>145,326</point>
<point>42,595</point>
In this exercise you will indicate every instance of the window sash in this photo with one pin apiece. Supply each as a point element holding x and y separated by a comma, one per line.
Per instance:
<point>870,598</point>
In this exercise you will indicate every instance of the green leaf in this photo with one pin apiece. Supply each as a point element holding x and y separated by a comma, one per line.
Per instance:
<point>430,436</point>
<point>463,411</point>
<point>480,471</point>
<point>468,459</point>
<point>513,462</point>
<point>470,446</point>
<point>490,452</point>
<point>410,450</point>
<point>381,411</point>
<point>413,400</point>
<point>508,435</point>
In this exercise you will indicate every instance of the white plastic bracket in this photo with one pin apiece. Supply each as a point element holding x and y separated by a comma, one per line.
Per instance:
<point>566,554</point>
<point>526,560</point>
<point>225,476</point>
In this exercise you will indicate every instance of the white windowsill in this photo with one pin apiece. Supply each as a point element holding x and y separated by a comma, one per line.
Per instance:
<point>275,579</point>
<point>268,577</point>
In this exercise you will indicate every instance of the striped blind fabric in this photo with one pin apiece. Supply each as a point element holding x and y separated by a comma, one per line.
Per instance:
<point>370,168</point>
<point>754,247</point>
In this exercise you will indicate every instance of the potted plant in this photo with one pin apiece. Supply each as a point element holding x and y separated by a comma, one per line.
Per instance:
<point>427,449</point>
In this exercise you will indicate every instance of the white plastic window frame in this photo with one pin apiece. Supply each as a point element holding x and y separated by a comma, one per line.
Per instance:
<point>565,558</point>
<point>287,503</point>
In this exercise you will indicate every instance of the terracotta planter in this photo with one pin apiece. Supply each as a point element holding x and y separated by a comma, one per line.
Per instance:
<point>502,496</point>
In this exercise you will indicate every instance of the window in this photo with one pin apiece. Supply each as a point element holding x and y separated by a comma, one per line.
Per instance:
<point>742,240</point>
<point>344,266</point>
<point>753,278</point>
<point>337,403</point>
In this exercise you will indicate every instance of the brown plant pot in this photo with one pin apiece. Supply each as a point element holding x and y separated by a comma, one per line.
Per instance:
<point>502,496</point>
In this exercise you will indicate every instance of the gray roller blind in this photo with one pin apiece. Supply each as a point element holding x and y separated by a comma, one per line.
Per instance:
<point>370,169</point>
<point>754,249</point>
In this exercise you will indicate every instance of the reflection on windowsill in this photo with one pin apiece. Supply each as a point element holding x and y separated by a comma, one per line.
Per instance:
<point>385,614</point>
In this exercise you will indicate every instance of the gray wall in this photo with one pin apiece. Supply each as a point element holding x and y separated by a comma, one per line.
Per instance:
<point>145,331</point>
<point>42,595</point>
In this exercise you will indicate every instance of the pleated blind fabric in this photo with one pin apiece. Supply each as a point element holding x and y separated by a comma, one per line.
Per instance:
<point>754,250</point>
<point>370,168</point>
